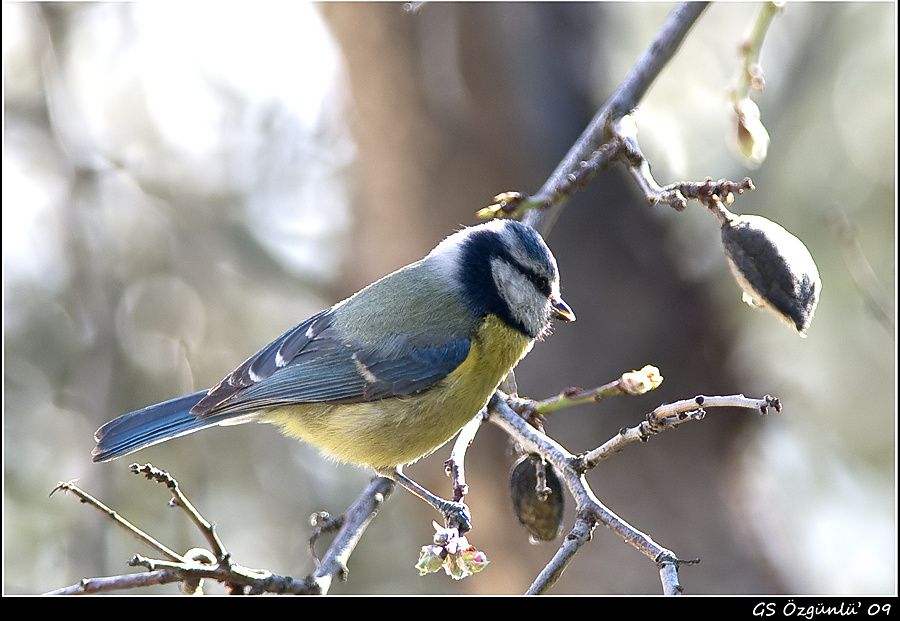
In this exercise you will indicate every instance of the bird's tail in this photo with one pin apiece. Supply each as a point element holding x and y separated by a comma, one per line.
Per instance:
<point>152,425</point>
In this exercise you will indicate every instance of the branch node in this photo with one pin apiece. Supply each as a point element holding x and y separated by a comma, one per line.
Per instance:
<point>571,391</point>
<point>343,572</point>
<point>65,486</point>
<point>322,522</point>
<point>580,464</point>
<point>770,402</point>
<point>667,558</point>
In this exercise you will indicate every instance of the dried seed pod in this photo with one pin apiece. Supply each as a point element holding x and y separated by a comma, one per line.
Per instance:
<point>538,505</point>
<point>774,269</point>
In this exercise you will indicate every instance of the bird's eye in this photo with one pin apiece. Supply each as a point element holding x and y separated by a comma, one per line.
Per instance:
<point>543,284</point>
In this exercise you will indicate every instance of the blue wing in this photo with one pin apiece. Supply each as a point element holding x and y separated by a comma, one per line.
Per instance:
<point>264,363</point>
<point>312,364</point>
<point>308,363</point>
<point>332,372</point>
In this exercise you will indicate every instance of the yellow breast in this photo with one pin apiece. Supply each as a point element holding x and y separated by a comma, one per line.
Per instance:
<point>401,430</point>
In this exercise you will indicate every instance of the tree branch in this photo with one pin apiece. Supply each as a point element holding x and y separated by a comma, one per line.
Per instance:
<point>577,537</point>
<point>676,195</point>
<point>751,75</point>
<point>610,136</point>
<point>167,572</point>
<point>752,135</point>
<point>671,415</point>
<point>356,519</point>
<point>632,383</point>
<point>137,533</point>
<point>668,575</point>
<point>179,499</point>
<point>239,579</point>
<point>322,522</point>
<point>89,586</point>
<point>556,189</point>
<point>533,441</point>
<point>198,564</point>
<point>573,468</point>
<point>455,465</point>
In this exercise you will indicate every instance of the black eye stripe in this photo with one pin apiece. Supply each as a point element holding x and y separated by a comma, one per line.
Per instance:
<point>541,283</point>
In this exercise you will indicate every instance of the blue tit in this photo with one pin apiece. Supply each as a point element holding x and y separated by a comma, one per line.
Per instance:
<point>390,374</point>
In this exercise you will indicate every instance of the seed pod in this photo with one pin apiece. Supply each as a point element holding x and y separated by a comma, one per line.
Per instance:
<point>539,509</point>
<point>773,268</point>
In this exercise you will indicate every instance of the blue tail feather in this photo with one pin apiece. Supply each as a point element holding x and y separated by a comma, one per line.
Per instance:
<point>151,425</point>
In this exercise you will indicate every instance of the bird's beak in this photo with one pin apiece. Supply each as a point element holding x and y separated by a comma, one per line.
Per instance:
<point>560,309</point>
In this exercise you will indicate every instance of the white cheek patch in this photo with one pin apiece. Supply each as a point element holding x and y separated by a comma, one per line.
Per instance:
<point>525,302</point>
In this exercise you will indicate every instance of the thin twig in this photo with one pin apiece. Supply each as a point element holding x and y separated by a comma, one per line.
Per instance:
<point>566,464</point>
<point>713,194</point>
<point>577,537</point>
<point>179,499</point>
<point>668,575</point>
<point>680,409</point>
<point>669,416</point>
<point>751,76</point>
<point>610,136</point>
<point>257,580</point>
<point>356,519</point>
<point>192,568</point>
<point>165,572</point>
<point>516,205</point>
<point>572,469</point>
<point>575,396</point>
<point>625,99</point>
<point>322,523</point>
<point>632,383</point>
<point>118,583</point>
<point>139,534</point>
<point>751,133</point>
<point>455,465</point>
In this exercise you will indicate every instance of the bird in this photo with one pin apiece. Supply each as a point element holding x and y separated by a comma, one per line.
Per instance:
<point>390,374</point>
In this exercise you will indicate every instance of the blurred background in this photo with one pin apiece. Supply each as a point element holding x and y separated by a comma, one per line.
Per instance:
<point>184,181</point>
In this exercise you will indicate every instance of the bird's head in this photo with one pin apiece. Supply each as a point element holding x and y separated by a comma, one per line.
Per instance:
<point>505,268</point>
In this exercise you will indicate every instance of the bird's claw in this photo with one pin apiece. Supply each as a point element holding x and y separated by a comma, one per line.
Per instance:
<point>456,515</point>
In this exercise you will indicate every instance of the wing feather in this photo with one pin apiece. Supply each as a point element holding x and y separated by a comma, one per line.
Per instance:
<point>263,364</point>
<point>311,363</point>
